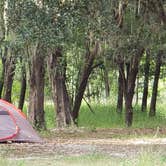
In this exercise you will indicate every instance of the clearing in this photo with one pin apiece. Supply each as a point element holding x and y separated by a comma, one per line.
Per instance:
<point>78,142</point>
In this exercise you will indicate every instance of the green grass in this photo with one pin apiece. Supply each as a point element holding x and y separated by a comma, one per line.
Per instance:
<point>105,116</point>
<point>146,158</point>
<point>50,116</point>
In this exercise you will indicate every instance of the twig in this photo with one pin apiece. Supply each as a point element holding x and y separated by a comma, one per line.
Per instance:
<point>89,106</point>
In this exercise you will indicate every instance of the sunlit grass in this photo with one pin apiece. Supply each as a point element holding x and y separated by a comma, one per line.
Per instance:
<point>105,116</point>
<point>145,158</point>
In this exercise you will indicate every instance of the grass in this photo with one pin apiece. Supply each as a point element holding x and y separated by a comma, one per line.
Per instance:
<point>146,158</point>
<point>105,116</point>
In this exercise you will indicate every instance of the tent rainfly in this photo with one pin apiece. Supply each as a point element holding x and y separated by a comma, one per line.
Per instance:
<point>14,126</point>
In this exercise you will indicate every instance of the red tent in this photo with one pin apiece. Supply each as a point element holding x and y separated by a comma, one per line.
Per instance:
<point>14,126</point>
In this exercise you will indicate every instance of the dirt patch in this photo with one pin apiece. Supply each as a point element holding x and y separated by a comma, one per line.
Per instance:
<point>121,133</point>
<point>74,143</point>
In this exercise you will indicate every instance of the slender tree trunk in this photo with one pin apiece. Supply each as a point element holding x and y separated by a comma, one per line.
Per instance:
<point>36,95</point>
<point>137,8</point>
<point>120,92</point>
<point>3,34</point>
<point>88,93</point>
<point>23,88</point>
<point>155,85</point>
<point>137,90</point>
<point>86,71</point>
<point>3,73</point>
<point>106,82</point>
<point>9,76</point>
<point>57,74</point>
<point>146,82</point>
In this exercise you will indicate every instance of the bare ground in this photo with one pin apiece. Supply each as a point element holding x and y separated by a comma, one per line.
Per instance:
<point>79,142</point>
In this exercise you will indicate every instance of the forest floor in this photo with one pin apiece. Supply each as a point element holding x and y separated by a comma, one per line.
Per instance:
<point>119,143</point>
<point>115,142</point>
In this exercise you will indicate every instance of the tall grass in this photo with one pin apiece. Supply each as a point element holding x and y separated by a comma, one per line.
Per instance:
<point>105,116</point>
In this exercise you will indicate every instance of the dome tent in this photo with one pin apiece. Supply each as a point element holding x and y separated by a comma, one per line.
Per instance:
<point>14,126</point>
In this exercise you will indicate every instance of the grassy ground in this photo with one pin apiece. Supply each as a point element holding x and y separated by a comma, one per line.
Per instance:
<point>105,116</point>
<point>104,123</point>
<point>144,159</point>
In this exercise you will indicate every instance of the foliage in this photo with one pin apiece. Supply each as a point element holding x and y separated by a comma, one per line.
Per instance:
<point>75,24</point>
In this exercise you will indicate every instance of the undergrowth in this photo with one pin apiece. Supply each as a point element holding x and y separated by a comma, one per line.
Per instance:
<point>105,116</point>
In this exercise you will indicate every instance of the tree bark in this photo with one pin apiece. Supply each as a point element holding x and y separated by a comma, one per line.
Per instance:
<point>3,71</point>
<point>129,84</point>
<point>3,34</point>
<point>137,91</point>
<point>9,76</point>
<point>88,95</point>
<point>23,88</point>
<point>152,111</point>
<point>120,92</point>
<point>137,8</point>
<point>36,94</point>
<point>86,71</point>
<point>106,82</point>
<point>57,74</point>
<point>146,82</point>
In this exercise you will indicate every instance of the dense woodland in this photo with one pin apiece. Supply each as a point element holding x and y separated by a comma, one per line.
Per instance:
<point>76,50</point>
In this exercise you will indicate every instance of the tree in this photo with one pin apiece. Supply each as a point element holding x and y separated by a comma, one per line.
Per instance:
<point>120,90</point>
<point>155,84</point>
<point>129,83</point>
<point>9,75</point>
<point>57,73</point>
<point>3,49</point>
<point>36,93</point>
<point>146,81</point>
<point>85,73</point>
<point>8,55</point>
<point>23,85</point>
<point>29,34</point>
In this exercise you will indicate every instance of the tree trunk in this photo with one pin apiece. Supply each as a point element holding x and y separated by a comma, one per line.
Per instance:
<point>129,84</point>
<point>57,74</point>
<point>129,111</point>
<point>146,82</point>
<point>23,89</point>
<point>88,93</point>
<point>36,95</point>
<point>120,92</point>
<point>86,71</point>
<point>9,76</point>
<point>134,65</point>
<point>155,84</point>
<point>3,35</point>
<point>137,8</point>
<point>106,82</point>
<point>137,91</point>
<point>3,72</point>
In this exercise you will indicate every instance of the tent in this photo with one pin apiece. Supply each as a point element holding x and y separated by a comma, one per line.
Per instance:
<point>14,126</point>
